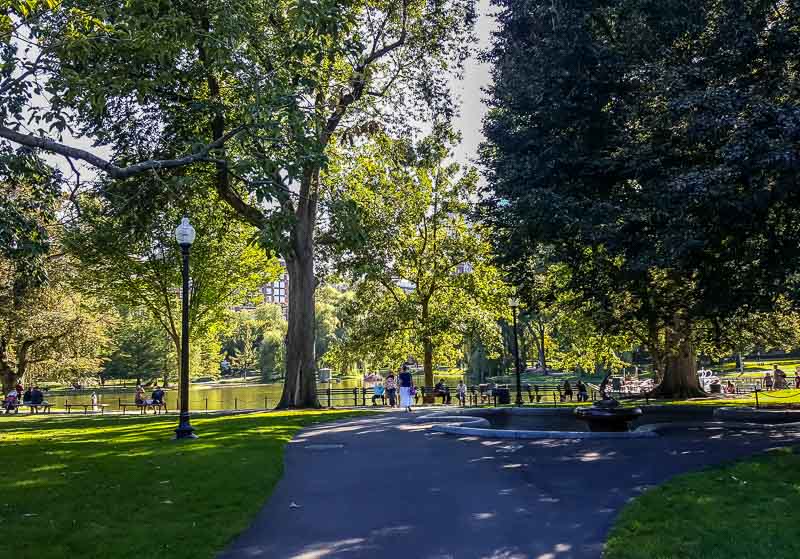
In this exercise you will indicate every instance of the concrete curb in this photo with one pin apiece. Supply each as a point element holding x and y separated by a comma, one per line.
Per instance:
<point>516,434</point>
<point>463,424</point>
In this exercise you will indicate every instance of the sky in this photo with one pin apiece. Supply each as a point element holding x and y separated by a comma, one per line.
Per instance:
<point>476,76</point>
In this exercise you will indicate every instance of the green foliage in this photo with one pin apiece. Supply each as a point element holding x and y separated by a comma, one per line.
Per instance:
<point>28,201</point>
<point>423,274</point>
<point>140,350</point>
<point>649,147</point>
<point>263,331</point>
<point>255,93</point>
<point>137,264</point>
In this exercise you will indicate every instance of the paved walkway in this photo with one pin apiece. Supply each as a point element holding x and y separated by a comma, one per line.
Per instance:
<point>386,488</point>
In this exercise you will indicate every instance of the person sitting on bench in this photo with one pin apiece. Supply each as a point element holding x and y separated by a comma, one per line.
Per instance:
<point>12,401</point>
<point>378,392</point>
<point>37,397</point>
<point>461,393</point>
<point>442,390</point>
<point>158,396</point>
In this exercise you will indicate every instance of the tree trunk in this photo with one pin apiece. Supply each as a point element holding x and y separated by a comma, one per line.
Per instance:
<point>680,364</point>
<point>427,360</point>
<point>300,386</point>
<point>540,343</point>
<point>7,372</point>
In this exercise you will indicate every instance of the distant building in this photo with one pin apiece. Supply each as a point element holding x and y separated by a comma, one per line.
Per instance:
<point>464,268</point>
<point>277,292</point>
<point>407,286</point>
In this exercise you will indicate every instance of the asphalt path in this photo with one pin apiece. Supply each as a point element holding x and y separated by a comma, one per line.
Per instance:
<point>385,487</point>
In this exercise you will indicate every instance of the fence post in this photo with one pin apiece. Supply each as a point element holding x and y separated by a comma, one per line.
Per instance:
<point>265,402</point>
<point>328,390</point>
<point>757,391</point>
<point>555,404</point>
<point>363,396</point>
<point>355,397</point>
<point>236,403</point>
<point>206,399</point>
<point>119,403</point>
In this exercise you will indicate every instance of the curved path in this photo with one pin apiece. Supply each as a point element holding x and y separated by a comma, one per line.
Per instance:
<point>384,487</point>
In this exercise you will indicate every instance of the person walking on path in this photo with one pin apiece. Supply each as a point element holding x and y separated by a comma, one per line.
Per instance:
<point>406,384</point>
<point>768,381</point>
<point>797,377</point>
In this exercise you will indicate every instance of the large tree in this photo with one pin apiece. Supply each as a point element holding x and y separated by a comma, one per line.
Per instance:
<point>652,146</point>
<point>134,262</point>
<point>403,232</point>
<point>256,93</point>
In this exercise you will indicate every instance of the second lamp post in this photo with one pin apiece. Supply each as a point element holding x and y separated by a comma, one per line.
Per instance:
<point>514,304</point>
<point>185,235</point>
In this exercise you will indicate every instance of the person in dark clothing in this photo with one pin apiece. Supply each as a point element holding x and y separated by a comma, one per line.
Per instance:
<point>158,395</point>
<point>567,390</point>
<point>26,397</point>
<point>406,382</point>
<point>583,395</point>
<point>36,396</point>
<point>442,390</point>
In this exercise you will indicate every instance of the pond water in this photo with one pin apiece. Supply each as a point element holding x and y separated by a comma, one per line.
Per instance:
<point>211,397</point>
<point>201,396</point>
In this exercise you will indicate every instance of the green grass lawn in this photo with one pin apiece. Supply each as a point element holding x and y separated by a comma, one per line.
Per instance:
<point>118,486</point>
<point>788,365</point>
<point>772,399</point>
<point>745,510</point>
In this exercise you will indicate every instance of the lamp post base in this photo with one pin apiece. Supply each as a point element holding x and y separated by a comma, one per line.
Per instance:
<point>184,430</point>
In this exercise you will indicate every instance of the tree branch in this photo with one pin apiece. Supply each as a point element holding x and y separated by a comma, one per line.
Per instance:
<point>46,144</point>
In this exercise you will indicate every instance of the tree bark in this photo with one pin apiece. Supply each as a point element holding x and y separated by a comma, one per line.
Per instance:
<point>680,364</point>
<point>427,357</point>
<point>540,343</point>
<point>300,386</point>
<point>8,374</point>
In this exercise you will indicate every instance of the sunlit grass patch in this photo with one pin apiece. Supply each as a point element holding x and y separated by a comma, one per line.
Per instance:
<point>119,486</point>
<point>745,510</point>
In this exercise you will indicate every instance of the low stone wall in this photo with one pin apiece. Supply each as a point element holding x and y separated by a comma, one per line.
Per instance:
<point>468,422</point>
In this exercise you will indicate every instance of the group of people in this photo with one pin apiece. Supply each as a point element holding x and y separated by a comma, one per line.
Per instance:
<point>156,397</point>
<point>568,394</point>
<point>32,396</point>
<point>777,379</point>
<point>402,386</point>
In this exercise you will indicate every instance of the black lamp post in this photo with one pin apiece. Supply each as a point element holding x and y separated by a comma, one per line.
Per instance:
<point>185,234</point>
<point>514,304</point>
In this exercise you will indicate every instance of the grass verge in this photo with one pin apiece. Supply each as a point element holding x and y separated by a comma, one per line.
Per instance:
<point>744,510</point>
<point>119,487</point>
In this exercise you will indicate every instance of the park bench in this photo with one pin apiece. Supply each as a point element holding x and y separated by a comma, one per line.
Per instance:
<point>34,408</point>
<point>157,408</point>
<point>85,407</point>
